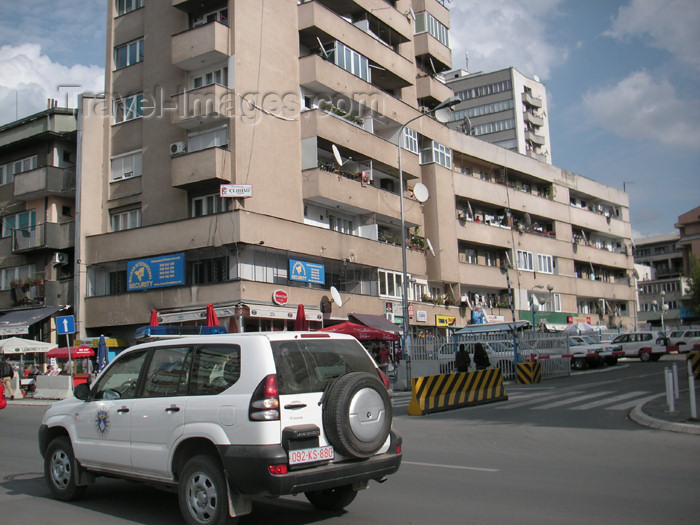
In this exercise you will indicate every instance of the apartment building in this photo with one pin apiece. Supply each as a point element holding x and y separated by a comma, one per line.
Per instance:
<point>505,108</point>
<point>37,210</point>
<point>246,155</point>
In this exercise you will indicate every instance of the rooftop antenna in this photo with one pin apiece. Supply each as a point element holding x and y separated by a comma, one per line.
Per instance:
<point>466,61</point>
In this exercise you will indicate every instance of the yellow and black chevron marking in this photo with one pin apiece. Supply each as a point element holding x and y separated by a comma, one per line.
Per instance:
<point>694,357</point>
<point>447,391</point>
<point>529,373</point>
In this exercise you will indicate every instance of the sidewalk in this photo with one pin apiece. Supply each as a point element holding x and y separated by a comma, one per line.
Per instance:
<point>655,414</point>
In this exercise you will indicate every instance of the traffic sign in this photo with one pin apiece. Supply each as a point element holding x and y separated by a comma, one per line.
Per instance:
<point>65,325</point>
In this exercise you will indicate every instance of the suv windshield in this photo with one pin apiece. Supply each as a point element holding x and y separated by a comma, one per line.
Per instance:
<point>307,365</point>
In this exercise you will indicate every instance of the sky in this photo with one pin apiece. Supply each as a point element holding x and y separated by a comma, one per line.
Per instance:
<point>621,78</point>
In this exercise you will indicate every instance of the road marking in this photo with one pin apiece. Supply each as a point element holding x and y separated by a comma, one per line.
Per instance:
<point>632,404</point>
<point>456,467</point>
<point>534,399</point>
<point>570,401</point>
<point>610,400</point>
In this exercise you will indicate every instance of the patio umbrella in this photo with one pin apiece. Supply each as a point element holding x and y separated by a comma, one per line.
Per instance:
<point>300,323</point>
<point>360,332</point>
<point>212,320</point>
<point>154,318</point>
<point>17,345</point>
<point>102,358</point>
<point>75,352</point>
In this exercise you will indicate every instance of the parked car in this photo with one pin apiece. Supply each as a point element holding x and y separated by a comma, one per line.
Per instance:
<point>590,353</point>
<point>647,345</point>
<point>221,418</point>
<point>684,339</point>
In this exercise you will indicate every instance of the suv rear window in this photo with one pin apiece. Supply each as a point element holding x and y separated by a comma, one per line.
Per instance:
<point>308,365</point>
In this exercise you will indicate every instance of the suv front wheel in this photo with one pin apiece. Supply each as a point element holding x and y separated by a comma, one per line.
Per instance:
<point>202,492</point>
<point>60,470</point>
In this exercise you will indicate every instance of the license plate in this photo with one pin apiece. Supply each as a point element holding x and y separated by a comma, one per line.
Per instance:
<point>310,455</point>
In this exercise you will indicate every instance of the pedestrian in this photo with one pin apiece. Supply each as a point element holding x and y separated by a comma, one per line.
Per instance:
<point>374,351</point>
<point>462,359</point>
<point>481,358</point>
<point>6,374</point>
<point>384,358</point>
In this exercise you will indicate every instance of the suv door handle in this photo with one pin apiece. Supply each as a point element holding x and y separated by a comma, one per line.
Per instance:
<point>172,409</point>
<point>295,406</point>
<point>123,410</point>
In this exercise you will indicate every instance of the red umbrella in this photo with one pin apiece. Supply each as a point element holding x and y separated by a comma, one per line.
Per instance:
<point>361,332</point>
<point>300,323</point>
<point>75,352</point>
<point>154,318</point>
<point>212,320</point>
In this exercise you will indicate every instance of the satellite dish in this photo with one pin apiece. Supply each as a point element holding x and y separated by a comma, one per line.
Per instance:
<point>420,191</point>
<point>443,115</point>
<point>336,296</point>
<point>430,246</point>
<point>336,154</point>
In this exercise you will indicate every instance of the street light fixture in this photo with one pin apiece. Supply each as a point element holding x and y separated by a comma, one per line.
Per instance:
<point>442,117</point>
<point>535,304</point>
<point>663,307</point>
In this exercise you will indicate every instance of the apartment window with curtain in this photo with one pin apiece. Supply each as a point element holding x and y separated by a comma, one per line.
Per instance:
<point>209,205</point>
<point>524,260</point>
<point>125,220</point>
<point>208,138</point>
<point>126,166</point>
<point>128,54</point>
<point>25,220</point>
<point>545,263</point>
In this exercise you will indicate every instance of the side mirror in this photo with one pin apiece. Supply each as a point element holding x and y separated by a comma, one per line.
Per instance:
<point>82,391</point>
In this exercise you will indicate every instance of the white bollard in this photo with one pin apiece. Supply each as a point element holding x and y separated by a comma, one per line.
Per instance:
<point>676,393</point>
<point>670,401</point>
<point>691,391</point>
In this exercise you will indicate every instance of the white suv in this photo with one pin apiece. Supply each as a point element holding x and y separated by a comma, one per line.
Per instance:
<point>648,346</point>
<point>685,339</point>
<point>222,418</point>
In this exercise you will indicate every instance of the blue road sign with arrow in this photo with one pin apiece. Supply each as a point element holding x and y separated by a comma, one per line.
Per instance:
<point>65,325</point>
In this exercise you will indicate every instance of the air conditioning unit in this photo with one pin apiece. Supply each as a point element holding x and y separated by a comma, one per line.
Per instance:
<point>60,258</point>
<point>176,148</point>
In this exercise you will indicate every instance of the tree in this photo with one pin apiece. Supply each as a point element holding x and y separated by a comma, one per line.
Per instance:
<point>694,285</point>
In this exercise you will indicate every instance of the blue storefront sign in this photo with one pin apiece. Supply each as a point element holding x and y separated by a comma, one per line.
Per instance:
<point>306,272</point>
<point>157,272</point>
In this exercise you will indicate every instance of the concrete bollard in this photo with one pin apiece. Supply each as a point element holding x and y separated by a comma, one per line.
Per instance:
<point>670,400</point>
<point>676,393</point>
<point>691,391</point>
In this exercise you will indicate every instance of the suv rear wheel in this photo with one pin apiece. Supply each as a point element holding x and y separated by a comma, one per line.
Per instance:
<point>332,499</point>
<point>202,492</point>
<point>357,414</point>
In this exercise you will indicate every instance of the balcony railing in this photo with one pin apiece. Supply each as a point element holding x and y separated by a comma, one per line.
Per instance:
<point>44,181</point>
<point>46,236</point>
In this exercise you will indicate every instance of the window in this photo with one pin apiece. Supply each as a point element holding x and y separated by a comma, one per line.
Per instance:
<point>482,91</point>
<point>18,273</point>
<point>25,220</point>
<point>390,283</point>
<point>126,220</point>
<point>8,171</point>
<point>340,224</point>
<point>524,260</point>
<point>425,22</point>
<point>432,151</point>
<point>470,256</point>
<point>556,299</point>
<point>168,372</point>
<point>545,263</point>
<point>128,108</point>
<point>126,6</point>
<point>128,54</point>
<point>209,205</point>
<point>203,271</point>
<point>220,15</point>
<point>126,166</point>
<point>207,78</point>
<point>209,138</point>
<point>410,140</point>
<point>493,127</point>
<point>352,62</point>
<point>121,380</point>
<point>215,368</point>
<point>5,175</point>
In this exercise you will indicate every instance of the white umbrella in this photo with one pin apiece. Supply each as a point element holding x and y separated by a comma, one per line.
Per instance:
<point>17,345</point>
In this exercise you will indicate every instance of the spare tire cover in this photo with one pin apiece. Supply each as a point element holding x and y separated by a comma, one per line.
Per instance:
<point>357,414</point>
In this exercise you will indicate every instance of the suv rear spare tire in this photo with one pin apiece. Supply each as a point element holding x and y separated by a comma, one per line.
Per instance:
<point>357,414</point>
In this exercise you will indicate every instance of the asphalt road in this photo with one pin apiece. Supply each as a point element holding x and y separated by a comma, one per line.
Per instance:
<point>561,451</point>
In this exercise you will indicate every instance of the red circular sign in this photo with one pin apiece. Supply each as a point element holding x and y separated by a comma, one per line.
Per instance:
<point>280,297</point>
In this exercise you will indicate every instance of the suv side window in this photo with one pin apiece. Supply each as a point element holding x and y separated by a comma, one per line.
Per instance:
<point>645,337</point>
<point>121,380</point>
<point>215,368</point>
<point>168,372</point>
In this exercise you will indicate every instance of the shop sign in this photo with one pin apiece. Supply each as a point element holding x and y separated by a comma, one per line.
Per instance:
<point>422,316</point>
<point>572,320</point>
<point>157,272</point>
<point>306,272</point>
<point>236,190</point>
<point>280,297</point>
<point>445,320</point>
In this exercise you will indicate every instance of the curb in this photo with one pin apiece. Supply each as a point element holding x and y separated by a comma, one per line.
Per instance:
<point>641,418</point>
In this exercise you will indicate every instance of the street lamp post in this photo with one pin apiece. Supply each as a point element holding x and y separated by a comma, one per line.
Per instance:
<point>404,280</point>
<point>535,303</point>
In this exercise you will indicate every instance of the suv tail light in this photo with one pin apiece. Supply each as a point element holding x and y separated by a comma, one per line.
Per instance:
<point>265,402</point>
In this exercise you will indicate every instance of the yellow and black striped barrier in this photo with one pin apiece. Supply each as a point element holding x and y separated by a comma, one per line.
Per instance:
<point>694,358</point>
<point>447,391</point>
<point>529,373</point>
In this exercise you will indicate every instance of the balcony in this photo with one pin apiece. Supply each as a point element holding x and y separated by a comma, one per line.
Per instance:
<point>212,165</point>
<point>534,138</point>
<point>426,45</point>
<point>45,181</point>
<point>533,119</point>
<point>203,106</point>
<point>532,101</point>
<point>200,47</point>
<point>46,236</point>
<point>430,88</point>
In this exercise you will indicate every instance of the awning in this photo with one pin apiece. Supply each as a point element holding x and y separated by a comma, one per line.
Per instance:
<point>375,321</point>
<point>492,327</point>
<point>16,345</point>
<point>19,321</point>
